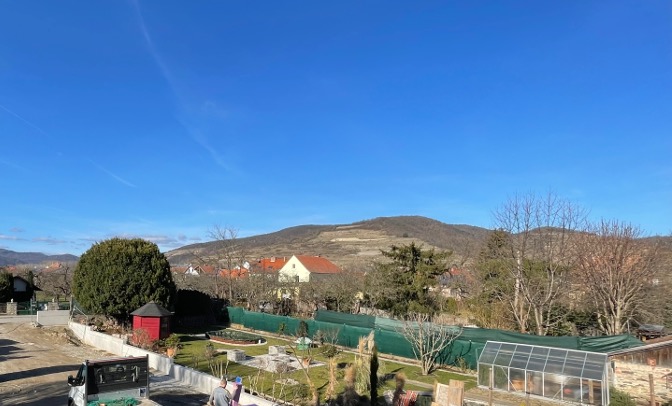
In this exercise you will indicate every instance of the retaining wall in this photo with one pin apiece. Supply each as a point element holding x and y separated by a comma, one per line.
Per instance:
<point>634,379</point>
<point>197,380</point>
<point>53,317</point>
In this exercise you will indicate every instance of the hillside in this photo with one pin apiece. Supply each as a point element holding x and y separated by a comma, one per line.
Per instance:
<point>8,257</point>
<point>350,245</point>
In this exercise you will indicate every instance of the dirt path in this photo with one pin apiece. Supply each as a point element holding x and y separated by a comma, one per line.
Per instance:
<point>36,361</point>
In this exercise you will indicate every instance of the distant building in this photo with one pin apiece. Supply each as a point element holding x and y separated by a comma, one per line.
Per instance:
<point>305,268</point>
<point>23,289</point>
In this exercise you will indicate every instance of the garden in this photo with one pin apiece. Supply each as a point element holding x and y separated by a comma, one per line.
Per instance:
<point>284,368</point>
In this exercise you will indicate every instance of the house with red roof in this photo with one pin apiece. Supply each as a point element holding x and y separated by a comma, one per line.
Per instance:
<point>195,270</point>
<point>306,268</point>
<point>270,265</point>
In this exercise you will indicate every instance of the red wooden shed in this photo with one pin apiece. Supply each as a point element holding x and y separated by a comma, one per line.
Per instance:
<point>154,318</point>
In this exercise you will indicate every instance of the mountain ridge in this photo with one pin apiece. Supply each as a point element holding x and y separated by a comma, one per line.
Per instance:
<point>353,245</point>
<point>348,245</point>
<point>8,258</point>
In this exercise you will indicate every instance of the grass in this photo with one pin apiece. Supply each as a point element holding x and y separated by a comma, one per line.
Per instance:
<point>193,354</point>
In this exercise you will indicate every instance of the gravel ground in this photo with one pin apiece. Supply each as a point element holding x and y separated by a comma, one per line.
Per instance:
<point>36,361</point>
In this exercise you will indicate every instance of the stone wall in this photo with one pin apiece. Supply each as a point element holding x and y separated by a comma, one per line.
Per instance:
<point>633,378</point>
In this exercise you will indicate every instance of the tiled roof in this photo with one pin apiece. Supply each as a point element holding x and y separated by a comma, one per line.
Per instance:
<point>191,269</point>
<point>272,264</point>
<point>151,309</point>
<point>318,265</point>
<point>234,273</point>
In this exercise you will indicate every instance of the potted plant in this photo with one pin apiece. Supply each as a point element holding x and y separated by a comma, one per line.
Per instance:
<point>172,343</point>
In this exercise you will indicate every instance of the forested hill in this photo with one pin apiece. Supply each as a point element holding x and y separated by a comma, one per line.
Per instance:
<point>350,245</point>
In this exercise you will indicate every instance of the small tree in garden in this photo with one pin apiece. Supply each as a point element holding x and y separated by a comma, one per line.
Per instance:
<point>314,396</point>
<point>427,339</point>
<point>363,364</point>
<point>302,329</point>
<point>217,367</point>
<point>374,375</point>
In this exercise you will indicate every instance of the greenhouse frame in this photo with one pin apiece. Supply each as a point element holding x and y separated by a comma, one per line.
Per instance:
<point>552,373</point>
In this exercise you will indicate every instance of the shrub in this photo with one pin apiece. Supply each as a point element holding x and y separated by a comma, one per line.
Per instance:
<point>620,398</point>
<point>172,341</point>
<point>142,339</point>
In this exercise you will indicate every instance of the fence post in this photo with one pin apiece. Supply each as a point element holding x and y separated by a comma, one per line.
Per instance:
<point>491,383</point>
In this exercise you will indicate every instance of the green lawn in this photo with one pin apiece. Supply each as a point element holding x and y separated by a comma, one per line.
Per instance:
<point>193,354</point>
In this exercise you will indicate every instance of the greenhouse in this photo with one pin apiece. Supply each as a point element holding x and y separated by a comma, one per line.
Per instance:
<point>552,373</point>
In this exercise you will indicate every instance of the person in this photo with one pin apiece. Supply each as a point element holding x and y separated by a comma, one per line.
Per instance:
<point>220,395</point>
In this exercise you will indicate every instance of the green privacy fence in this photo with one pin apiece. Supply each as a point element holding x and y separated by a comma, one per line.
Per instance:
<point>31,307</point>
<point>465,350</point>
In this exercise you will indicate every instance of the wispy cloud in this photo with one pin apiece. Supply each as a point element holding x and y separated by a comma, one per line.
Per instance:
<point>29,123</point>
<point>49,240</point>
<point>9,237</point>
<point>163,241</point>
<point>114,176</point>
<point>167,74</point>
<point>16,230</point>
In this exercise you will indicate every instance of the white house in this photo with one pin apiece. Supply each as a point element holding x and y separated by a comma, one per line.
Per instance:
<point>306,268</point>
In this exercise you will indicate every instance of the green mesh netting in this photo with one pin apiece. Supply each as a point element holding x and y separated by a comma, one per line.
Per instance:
<point>464,351</point>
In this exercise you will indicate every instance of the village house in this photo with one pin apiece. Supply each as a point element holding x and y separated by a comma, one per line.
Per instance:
<point>306,268</point>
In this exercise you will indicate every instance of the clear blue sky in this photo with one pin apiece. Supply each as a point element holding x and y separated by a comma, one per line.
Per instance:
<point>161,119</point>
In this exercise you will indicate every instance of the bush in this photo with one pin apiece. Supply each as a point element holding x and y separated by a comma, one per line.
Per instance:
<point>142,339</point>
<point>620,398</point>
<point>172,341</point>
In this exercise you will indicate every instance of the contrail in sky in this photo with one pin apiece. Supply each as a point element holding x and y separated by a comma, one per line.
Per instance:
<point>193,132</point>
<point>115,177</point>
<point>41,131</point>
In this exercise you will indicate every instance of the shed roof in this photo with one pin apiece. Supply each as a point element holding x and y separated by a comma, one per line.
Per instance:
<point>648,345</point>
<point>152,309</point>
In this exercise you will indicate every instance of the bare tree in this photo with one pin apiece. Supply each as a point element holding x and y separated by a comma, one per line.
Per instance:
<point>227,256</point>
<point>540,252</point>
<point>57,282</point>
<point>617,269</point>
<point>428,339</point>
<point>342,289</point>
<point>259,288</point>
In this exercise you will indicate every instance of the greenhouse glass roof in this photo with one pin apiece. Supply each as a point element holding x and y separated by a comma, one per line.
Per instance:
<point>571,363</point>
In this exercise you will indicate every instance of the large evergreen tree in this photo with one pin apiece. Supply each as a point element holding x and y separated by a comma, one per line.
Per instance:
<point>402,284</point>
<point>117,276</point>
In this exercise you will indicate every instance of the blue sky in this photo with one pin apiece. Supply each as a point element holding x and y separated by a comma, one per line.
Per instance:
<point>161,119</point>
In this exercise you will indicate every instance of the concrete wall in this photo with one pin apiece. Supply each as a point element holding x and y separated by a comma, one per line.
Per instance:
<point>53,317</point>
<point>197,380</point>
